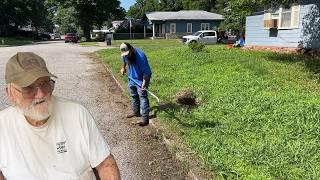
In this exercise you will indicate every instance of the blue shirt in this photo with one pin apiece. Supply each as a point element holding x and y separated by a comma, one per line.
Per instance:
<point>138,69</point>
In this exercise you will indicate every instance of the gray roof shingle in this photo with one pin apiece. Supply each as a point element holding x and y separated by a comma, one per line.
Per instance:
<point>183,15</point>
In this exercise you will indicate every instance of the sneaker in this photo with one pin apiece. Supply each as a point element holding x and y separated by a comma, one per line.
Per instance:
<point>142,123</point>
<point>133,115</point>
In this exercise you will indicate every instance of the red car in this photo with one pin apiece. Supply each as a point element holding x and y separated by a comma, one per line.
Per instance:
<point>71,37</point>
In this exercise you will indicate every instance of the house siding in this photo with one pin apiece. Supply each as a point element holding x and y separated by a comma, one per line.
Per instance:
<point>181,25</point>
<point>256,35</point>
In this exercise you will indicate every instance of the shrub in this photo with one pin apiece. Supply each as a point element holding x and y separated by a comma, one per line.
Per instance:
<point>196,47</point>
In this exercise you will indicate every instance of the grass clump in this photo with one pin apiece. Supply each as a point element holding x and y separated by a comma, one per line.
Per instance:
<point>5,41</point>
<point>196,47</point>
<point>259,116</point>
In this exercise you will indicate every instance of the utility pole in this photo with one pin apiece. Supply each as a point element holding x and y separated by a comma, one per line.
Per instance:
<point>130,24</point>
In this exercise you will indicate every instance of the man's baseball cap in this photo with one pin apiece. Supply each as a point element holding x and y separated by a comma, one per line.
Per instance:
<point>124,49</point>
<point>24,68</point>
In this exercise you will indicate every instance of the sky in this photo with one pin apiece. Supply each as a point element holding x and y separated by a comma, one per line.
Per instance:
<point>127,3</point>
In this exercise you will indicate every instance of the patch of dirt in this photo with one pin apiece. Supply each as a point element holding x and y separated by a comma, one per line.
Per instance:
<point>187,159</point>
<point>186,97</point>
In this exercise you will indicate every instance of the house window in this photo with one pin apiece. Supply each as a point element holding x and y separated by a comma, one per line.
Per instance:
<point>289,18</point>
<point>189,27</point>
<point>204,26</point>
<point>282,18</point>
<point>209,34</point>
<point>172,27</point>
<point>285,17</point>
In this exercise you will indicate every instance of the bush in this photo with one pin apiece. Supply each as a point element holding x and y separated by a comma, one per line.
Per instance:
<point>196,47</point>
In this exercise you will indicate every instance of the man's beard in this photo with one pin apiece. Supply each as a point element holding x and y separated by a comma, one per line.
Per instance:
<point>39,109</point>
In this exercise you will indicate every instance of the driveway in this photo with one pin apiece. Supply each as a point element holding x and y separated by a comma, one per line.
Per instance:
<point>139,152</point>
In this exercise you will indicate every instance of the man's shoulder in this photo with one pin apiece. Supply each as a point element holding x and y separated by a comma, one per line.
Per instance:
<point>71,113</point>
<point>7,112</point>
<point>139,51</point>
<point>141,55</point>
<point>7,116</point>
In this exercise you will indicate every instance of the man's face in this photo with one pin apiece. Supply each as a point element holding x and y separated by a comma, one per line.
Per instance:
<point>34,100</point>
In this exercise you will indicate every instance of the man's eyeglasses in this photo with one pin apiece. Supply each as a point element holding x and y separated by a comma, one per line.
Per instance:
<point>30,91</point>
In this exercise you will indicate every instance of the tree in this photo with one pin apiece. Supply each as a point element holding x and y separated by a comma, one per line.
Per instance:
<point>66,19</point>
<point>236,11</point>
<point>142,6</point>
<point>39,16</point>
<point>170,5</point>
<point>89,13</point>
<point>206,5</point>
<point>23,12</point>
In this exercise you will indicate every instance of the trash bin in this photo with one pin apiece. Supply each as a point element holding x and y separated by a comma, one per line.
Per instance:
<point>108,39</point>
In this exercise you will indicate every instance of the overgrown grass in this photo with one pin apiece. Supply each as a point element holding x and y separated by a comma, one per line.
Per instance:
<point>4,41</point>
<point>259,116</point>
<point>89,43</point>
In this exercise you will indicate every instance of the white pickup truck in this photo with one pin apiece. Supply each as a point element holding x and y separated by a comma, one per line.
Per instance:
<point>206,37</point>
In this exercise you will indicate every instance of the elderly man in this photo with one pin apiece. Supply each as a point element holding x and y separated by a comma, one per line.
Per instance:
<point>139,74</point>
<point>47,137</point>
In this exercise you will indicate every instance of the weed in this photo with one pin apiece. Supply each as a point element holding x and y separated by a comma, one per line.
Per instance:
<point>196,47</point>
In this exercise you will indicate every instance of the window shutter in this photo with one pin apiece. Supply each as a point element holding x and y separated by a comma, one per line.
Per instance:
<point>295,16</point>
<point>266,20</point>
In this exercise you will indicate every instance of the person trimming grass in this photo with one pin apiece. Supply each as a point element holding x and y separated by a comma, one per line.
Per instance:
<point>139,74</point>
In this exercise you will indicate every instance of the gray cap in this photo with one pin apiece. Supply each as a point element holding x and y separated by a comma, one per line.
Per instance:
<point>24,68</point>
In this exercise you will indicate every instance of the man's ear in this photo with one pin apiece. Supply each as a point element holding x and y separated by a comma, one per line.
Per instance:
<point>9,92</point>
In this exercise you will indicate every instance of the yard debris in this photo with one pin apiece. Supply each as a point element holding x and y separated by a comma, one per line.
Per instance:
<point>186,97</point>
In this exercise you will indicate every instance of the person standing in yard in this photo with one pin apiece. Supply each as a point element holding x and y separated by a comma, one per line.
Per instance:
<point>46,137</point>
<point>139,74</point>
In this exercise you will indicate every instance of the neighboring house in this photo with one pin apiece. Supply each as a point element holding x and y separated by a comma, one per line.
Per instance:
<point>26,28</point>
<point>292,27</point>
<point>116,24</point>
<point>180,23</point>
<point>100,33</point>
<point>105,29</point>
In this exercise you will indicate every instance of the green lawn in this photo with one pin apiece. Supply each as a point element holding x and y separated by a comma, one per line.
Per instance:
<point>4,41</point>
<point>259,112</point>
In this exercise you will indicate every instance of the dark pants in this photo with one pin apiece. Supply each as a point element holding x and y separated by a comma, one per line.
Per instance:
<point>140,100</point>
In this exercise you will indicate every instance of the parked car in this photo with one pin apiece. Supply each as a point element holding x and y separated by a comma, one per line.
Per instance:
<point>56,36</point>
<point>71,37</point>
<point>43,36</point>
<point>206,37</point>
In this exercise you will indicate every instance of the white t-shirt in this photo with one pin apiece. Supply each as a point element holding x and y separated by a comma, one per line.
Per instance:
<point>66,147</point>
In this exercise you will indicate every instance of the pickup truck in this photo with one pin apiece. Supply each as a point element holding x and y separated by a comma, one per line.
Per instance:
<point>205,37</point>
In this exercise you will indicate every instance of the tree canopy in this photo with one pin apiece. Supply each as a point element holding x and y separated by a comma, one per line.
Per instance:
<point>23,12</point>
<point>67,14</point>
<point>85,13</point>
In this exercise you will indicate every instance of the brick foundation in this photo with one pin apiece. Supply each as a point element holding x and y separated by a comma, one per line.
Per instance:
<point>315,52</point>
<point>274,49</point>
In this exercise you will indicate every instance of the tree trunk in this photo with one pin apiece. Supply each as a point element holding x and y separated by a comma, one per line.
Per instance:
<point>86,32</point>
